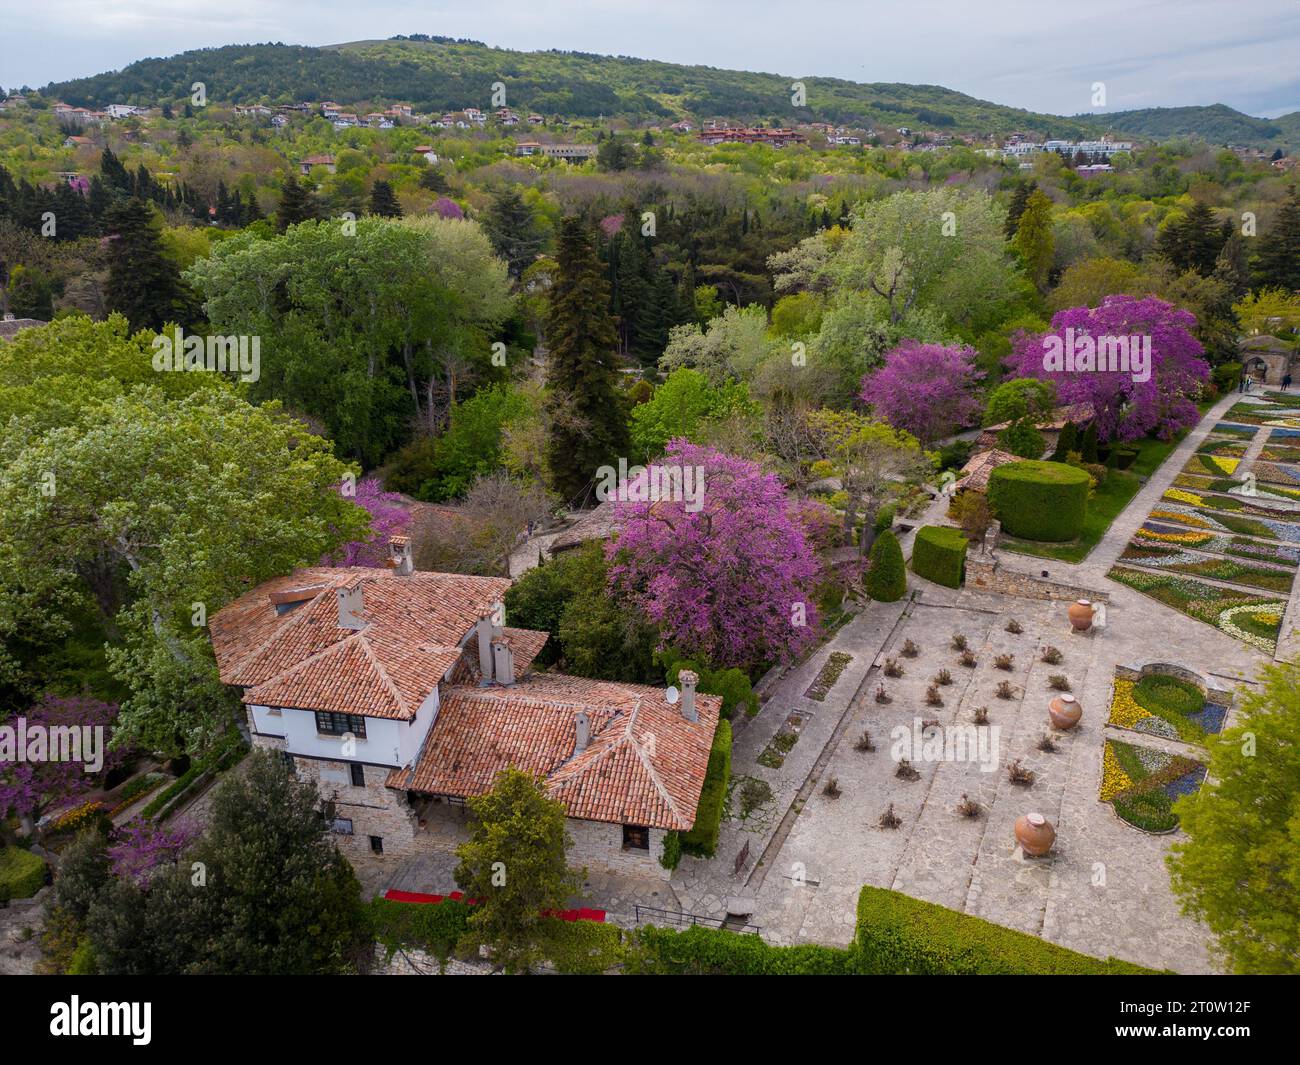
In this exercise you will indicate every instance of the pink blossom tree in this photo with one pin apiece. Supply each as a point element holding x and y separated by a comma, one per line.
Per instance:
<point>928,390</point>
<point>388,517</point>
<point>729,580</point>
<point>33,780</point>
<point>138,847</point>
<point>447,208</point>
<point>1125,407</point>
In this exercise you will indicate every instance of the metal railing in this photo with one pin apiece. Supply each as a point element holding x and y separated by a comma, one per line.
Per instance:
<point>680,919</point>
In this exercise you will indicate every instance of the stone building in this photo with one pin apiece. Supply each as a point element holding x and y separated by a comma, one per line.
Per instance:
<point>1269,359</point>
<point>401,694</point>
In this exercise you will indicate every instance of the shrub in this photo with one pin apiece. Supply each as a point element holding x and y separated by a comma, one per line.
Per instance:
<point>1040,500</point>
<point>22,873</point>
<point>1159,692</point>
<point>971,511</point>
<point>1226,376</point>
<point>887,577</point>
<point>702,839</point>
<point>731,684</point>
<point>939,555</point>
<point>672,854</point>
<point>1023,440</point>
<point>700,951</point>
<point>433,927</point>
<point>899,934</point>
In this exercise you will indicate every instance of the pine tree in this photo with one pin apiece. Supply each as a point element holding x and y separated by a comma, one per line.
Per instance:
<point>1019,198</point>
<point>114,173</point>
<point>589,424</point>
<point>512,229</point>
<point>383,201</point>
<point>1278,262</point>
<point>142,283</point>
<point>297,204</point>
<point>1194,242</point>
<point>1035,240</point>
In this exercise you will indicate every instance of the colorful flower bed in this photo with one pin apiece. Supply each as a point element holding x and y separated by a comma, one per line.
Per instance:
<point>1215,465</point>
<point>1219,569</point>
<point>1279,453</point>
<point>1165,706</point>
<point>1141,784</point>
<point>1240,546</point>
<point>1276,473</point>
<point>1200,518</point>
<point>1253,619</point>
<point>1284,434</point>
<point>1235,429</point>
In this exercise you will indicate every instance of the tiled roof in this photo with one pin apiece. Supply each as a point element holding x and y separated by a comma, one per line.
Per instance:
<point>524,644</point>
<point>302,658</point>
<point>10,327</point>
<point>644,763</point>
<point>975,474</point>
<point>600,523</point>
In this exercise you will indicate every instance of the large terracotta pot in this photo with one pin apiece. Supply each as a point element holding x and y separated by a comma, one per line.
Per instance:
<point>1065,712</point>
<point>1080,613</point>
<point>1035,834</point>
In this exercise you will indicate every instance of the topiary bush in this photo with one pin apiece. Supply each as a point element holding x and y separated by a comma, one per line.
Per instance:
<point>1035,500</point>
<point>1158,691</point>
<point>939,555</point>
<point>702,839</point>
<point>22,873</point>
<point>887,577</point>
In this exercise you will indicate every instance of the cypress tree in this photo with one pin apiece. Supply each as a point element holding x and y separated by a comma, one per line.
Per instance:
<point>1089,448</point>
<point>589,426</point>
<point>1066,441</point>
<point>887,575</point>
<point>1019,199</point>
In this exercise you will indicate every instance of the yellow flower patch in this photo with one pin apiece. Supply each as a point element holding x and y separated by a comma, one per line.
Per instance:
<point>1178,495</point>
<point>1124,710</point>
<point>1186,519</point>
<point>1113,778</point>
<point>1226,465</point>
<point>1173,538</point>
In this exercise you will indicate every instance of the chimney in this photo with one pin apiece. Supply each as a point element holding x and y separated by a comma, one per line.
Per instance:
<point>484,632</point>
<point>399,555</point>
<point>688,680</point>
<point>582,723</point>
<point>503,661</point>
<point>351,607</point>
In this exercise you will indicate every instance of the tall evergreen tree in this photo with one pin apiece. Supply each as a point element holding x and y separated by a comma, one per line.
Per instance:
<point>1278,262</point>
<point>589,423</point>
<point>383,201</point>
<point>1019,198</point>
<point>297,204</point>
<point>512,229</point>
<point>1194,242</point>
<point>142,282</point>
<point>1035,240</point>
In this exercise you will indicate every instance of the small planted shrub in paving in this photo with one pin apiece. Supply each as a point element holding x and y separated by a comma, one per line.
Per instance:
<point>1014,627</point>
<point>1006,662</point>
<point>906,771</point>
<point>753,793</point>
<point>1058,682</point>
<point>892,668</point>
<point>943,677</point>
<point>1047,742</point>
<point>981,715</point>
<point>968,807</point>
<point>1004,690</point>
<point>882,696</point>
<point>968,659</point>
<point>1052,656</point>
<point>1019,775</point>
<point>959,642</point>
<point>889,819</point>
<point>932,697</point>
<point>910,650</point>
<point>832,788</point>
<point>863,742</point>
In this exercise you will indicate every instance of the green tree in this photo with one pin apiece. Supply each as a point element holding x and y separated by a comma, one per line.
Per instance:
<point>680,407</point>
<point>383,201</point>
<point>1278,262</point>
<point>1035,240</point>
<point>1238,870</point>
<point>514,864</point>
<point>142,283</point>
<point>1192,242</point>
<point>887,576</point>
<point>1019,200</point>
<point>512,228</point>
<point>589,423</point>
<point>297,204</point>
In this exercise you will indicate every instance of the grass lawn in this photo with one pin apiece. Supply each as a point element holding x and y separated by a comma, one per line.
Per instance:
<point>1105,504</point>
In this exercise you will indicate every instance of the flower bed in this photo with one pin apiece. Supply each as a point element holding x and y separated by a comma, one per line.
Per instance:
<point>1238,546</point>
<point>1165,706</point>
<point>1199,518</point>
<point>1229,448</point>
<point>1215,465</point>
<point>1253,619</point>
<point>1235,430</point>
<point>1276,473</point>
<point>1157,556</point>
<point>1141,784</point>
<point>828,675</point>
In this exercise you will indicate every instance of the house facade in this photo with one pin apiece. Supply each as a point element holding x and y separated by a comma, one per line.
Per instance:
<point>402,694</point>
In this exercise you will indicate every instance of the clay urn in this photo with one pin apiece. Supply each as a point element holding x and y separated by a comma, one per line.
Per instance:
<point>1035,834</point>
<point>1080,614</point>
<point>1064,711</point>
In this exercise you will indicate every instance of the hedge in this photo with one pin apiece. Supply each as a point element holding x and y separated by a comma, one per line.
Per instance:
<point>939,555</point>
<point>1035,500</point>
<point>898,934</point>
<point>887,575</point>
<point>22,873</point>
<point>701,951</point>
<point>702,839</point>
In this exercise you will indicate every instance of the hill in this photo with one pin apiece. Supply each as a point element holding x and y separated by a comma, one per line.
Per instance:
<point>1217,124</point>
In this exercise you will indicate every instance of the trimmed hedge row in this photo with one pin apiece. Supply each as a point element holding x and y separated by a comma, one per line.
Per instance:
<point>702,839</point>
<point>939,555</point>
<point>1045,501</point>
<point>887,575</point>
<point>22,873</point>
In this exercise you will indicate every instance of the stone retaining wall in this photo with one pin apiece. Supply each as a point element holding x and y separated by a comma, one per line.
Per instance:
<point>988,575</point>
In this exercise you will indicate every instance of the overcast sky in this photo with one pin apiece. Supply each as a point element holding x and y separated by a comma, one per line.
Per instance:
<point>1043,55</point>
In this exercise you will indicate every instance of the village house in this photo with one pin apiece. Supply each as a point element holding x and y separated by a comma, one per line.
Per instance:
<point>401,694</point>
<point>570,153</point>
<point>777,138</point>
<point>330,109</point>
<point>426,150</point>
<point>535,120</point>
<point>312,161</point>
<point>527,148</point>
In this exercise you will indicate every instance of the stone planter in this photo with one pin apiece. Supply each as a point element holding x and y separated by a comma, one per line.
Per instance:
<point>1035,834</point>
<point>1065,712</point>
<point>1080,613</point>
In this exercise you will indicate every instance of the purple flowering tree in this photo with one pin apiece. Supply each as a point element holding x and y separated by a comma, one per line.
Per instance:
<point>928,390</point>
<point>1125,408</point>
<point>139,847</point>
<point>32,780</point>
<point>730,579</point>
<point>388,517</point>
<point>447,208</point>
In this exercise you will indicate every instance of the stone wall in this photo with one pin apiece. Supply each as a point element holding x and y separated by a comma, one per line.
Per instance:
<point>985,573</point>
<point>599,846</point>
<point>374,809</point>
<point>1213,691</point>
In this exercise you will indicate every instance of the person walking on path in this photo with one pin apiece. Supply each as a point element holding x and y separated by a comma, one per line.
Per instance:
<point>1286,383</point>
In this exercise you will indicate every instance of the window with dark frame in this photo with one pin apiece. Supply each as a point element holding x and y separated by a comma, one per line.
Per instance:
<point>377,844</point>
<point>636,837</point>
<point>358,775</point>
<point>329,723</point>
